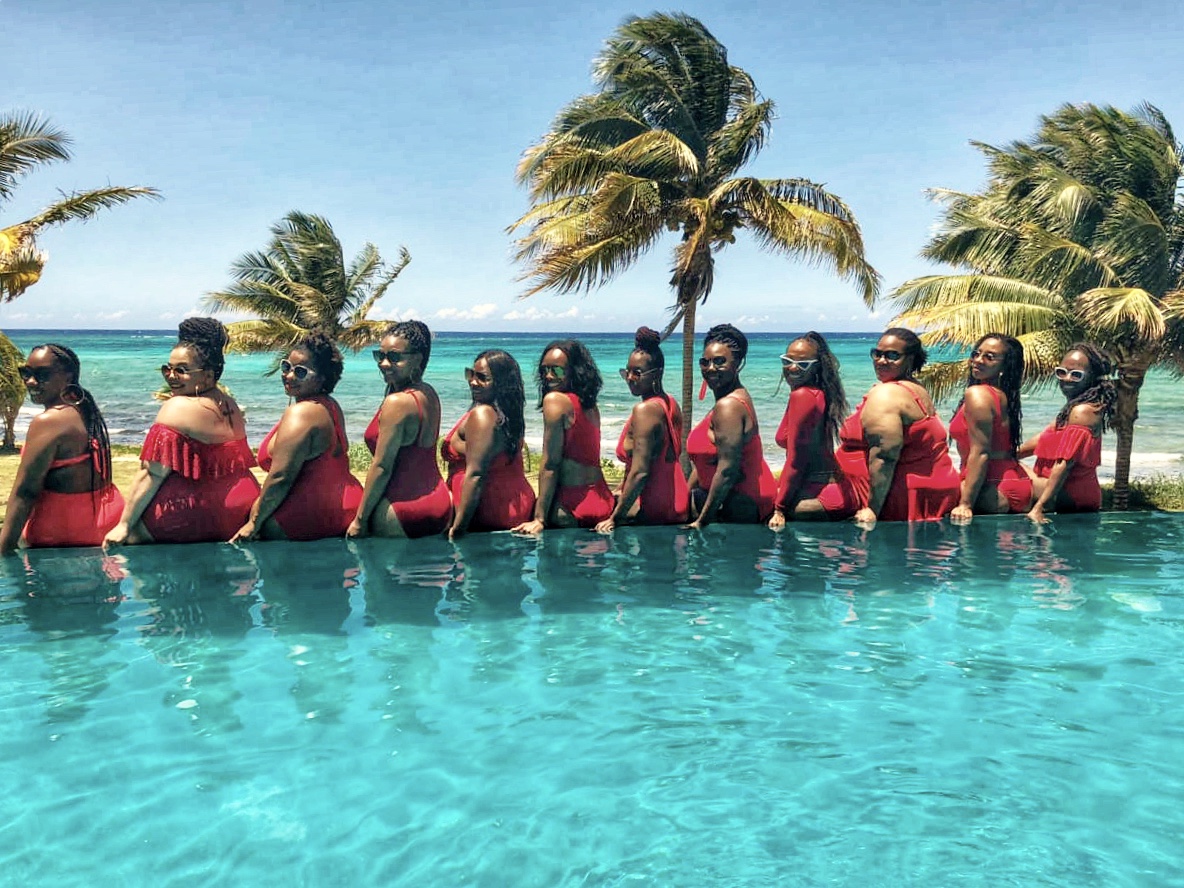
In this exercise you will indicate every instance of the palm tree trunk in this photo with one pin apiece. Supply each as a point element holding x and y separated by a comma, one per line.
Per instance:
<point>1126,411</point>
<point>688,378</point>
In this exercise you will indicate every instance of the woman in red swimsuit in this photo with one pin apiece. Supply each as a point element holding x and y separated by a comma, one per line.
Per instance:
<point>986,431</point>
<point>572,490</point>
<point>309,492</point>
<point>404,494</point>
<point>484,450</point>
<point>195,482</point>
<point>893,447</point>
<point>653,490</point>
<point>62,494</point>
<point>808,430</point>
<point>1069,451</point>
<point>730,480</point>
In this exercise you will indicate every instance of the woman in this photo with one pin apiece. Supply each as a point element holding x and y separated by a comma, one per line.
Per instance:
<point>404,494</point>
<point>195,482</point>
<point>572,490</point>
<point>893,447</point>
<point>986,431</point>
<point>653,490</point>
<point>309,492</point>
<point>817,405</point>
<point>62,494</point>
<point>729,479</point>
<point>484,450</point>
<point>1069,451</point>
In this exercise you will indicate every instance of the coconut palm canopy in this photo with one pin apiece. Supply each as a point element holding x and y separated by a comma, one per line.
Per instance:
<point>1077,235</point>
<point>26,142</point>
<point>300,283</point>
<point>658,149</point>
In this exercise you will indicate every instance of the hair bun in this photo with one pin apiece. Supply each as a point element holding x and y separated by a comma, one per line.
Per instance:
<point>647,338</point>
<point>208,331</point>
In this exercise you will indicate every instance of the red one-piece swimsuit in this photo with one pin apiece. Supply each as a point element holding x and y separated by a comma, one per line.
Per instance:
<point>756,479</point>
<point>507,499</point>
<point>1006,472</point>
<point>664,500</point>
<point>591,503</point>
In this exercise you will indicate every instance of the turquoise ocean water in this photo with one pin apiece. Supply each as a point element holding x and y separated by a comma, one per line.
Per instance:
<point>928,705</point>
<point>120,367</point>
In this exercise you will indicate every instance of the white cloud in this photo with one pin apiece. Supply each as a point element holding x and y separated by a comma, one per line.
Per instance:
<point>396,314</point>
<point>541,314</point>
<point>475,313</point>
<point>750,320</point>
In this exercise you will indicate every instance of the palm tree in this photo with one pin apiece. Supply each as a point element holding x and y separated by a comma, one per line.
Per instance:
<point>12,390</point>
<point>657,149</point>
<point>1078,234</point>
<point>300,283</point>
<point>27,141</point>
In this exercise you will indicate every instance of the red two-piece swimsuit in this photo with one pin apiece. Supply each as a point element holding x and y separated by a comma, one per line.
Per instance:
<point>324,498</point>
<point>591,503</point>
<point>1006,474</point>
<point>74,519</point>
<point>665,499</point>
<point>209,492</point>
<point>507,499</point>
<point>756,479</point>
<point>808,468</point>
<point>416,490</point>
<point>1075,443</point>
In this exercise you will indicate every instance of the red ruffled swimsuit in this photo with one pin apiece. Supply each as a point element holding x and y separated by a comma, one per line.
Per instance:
<point>925,486</point>
<point>74,519</point>
<point>324,498</point>
<point>1007,474</point>
<point>1077,444</point>
<point>665,499</point>
<point>591,503</point>
<point>808,467</point>
<point>507,499</point>
<point>756,479</point>
<point>209,492</point>
<point>416,490</point>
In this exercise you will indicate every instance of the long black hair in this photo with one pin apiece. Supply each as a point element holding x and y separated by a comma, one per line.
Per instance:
<point>209,338</point>
<point>509,394</point>
<point>325,357</point>
<point>830,383</point>
<point>913,346</point>
<point>581,370</point>
<point>1010,380</point>
<point>78,397</point>
<point>1101,393</point>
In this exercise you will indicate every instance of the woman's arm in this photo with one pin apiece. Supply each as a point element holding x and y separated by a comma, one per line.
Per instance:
<point>291,447</point>
<point>36,455</point>
<point>649,427</point>
<point>883,429</point>
<point>556,410</point>
<point>398,425</point>
<point>144,488</point>
<point>727,424</point>
<point>978,409</point>
<point>481,437</point>
<point>1083,415</point>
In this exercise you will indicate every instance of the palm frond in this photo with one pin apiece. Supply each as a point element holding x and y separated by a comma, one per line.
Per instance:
<point>1106,311</point>
<point>80,206</point>
<point>27,140</point>
<point>20,268</point>
<point>257,336</point>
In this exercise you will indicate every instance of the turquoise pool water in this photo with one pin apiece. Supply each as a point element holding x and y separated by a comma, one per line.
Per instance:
<point>926,705</point>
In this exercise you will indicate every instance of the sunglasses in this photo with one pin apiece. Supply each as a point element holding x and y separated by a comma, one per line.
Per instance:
<point>718,362</point>
<point>167,370</point>
<point>298,370</point>
<point>634,373</point>
<point>393,357</point>
<point>803,366</point>
<point>41,374</point>
<point>483,378</point>
<point>989,357</point>
<point>1066,375</point>
<point>553,370</point>
<point>890,354</point>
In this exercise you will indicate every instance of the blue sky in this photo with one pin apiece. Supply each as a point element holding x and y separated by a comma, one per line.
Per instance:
<point>402,123</point>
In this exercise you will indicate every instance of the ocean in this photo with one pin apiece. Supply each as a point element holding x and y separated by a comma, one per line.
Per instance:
<point>120,368</point>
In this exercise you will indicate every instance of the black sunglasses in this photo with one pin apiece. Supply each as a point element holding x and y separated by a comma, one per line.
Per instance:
<point>41,374</point>
<point>393,356</point>
<point>483,378</point>
<point>889,354</point>
<point>167,370</point>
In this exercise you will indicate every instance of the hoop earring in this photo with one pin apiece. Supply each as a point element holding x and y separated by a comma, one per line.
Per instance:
<point>73,394</point>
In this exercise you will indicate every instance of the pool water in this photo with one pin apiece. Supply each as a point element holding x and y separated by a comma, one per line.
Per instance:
<point>923,705</point>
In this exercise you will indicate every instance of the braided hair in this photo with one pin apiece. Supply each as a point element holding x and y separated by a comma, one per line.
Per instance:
<point>726,334</point>
<point>912,345</point>
<point>78,397</point>
<point>830,383</point>
<point>418,336</point>
<point>208,337</point>
<point>325,357</point>
<point>1101,392</point>
<point>586,381</point>
<point>1009,381</point>
<point>509,394</point>
<point>649,343</point>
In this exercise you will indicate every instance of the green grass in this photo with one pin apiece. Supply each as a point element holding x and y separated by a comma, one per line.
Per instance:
<point>1158,493</point>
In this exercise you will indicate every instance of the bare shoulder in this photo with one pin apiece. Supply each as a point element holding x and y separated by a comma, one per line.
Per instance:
<point>978,401</point>
<point>1088,415</point>
<point>557,405</point>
